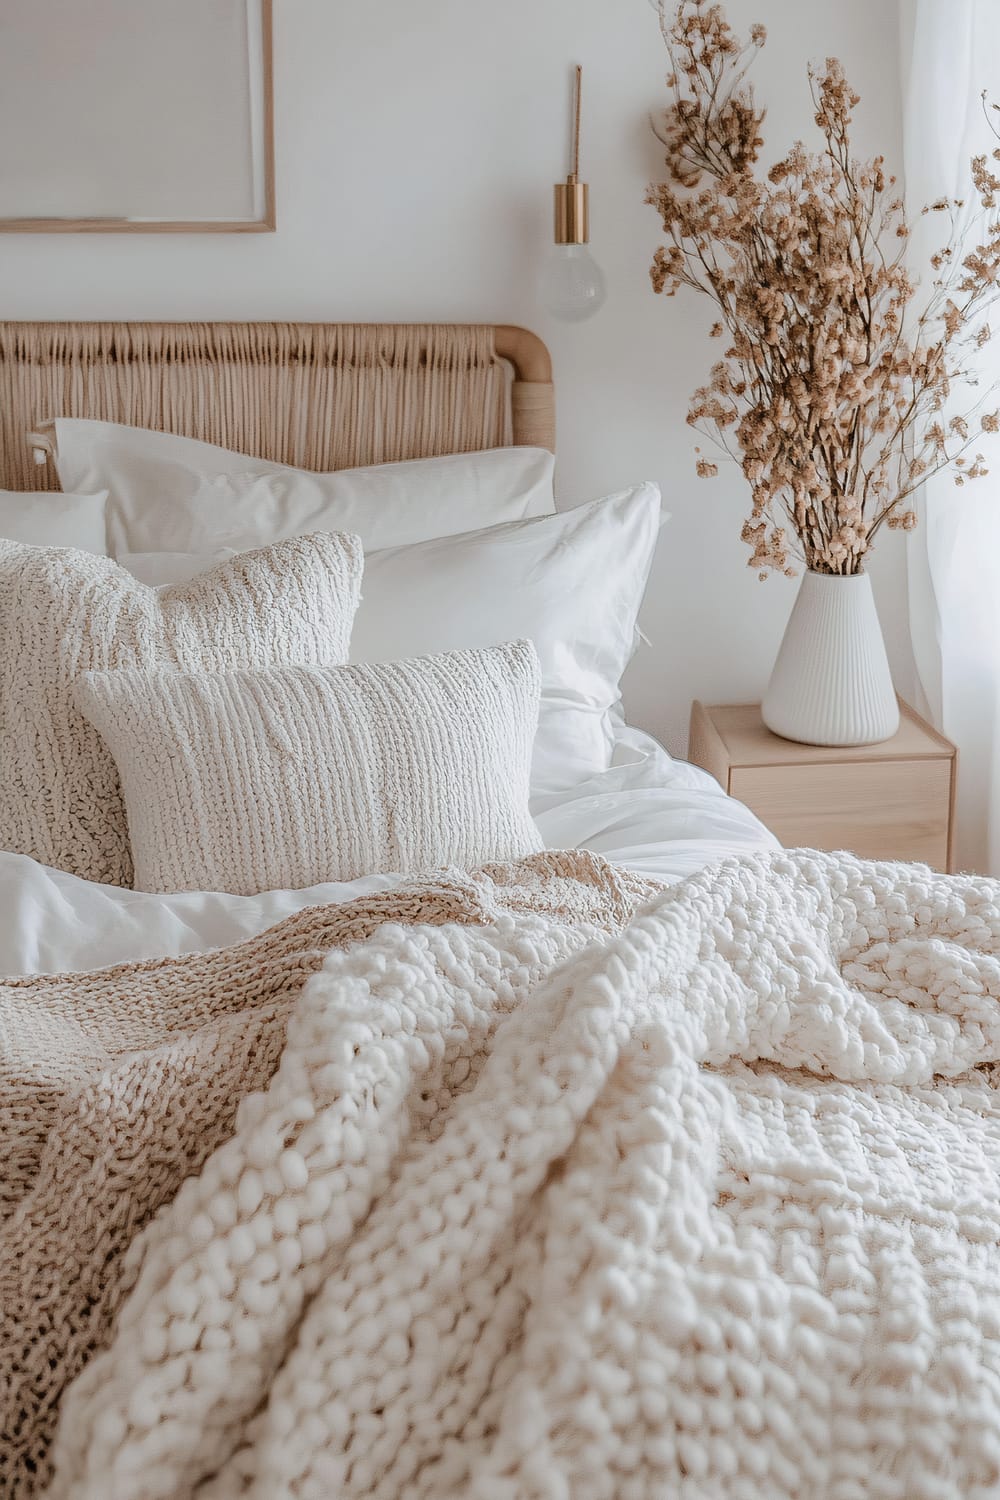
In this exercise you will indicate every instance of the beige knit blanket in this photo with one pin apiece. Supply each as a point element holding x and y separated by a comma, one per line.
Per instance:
<point>708,1209</point>
<point>117,1085</point>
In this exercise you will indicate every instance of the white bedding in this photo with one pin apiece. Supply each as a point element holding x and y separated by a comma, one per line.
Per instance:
<point>706,1207</point>
<point>659,817</point>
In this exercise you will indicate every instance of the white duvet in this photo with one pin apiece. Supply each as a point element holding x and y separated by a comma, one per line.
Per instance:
<point>660,817</point>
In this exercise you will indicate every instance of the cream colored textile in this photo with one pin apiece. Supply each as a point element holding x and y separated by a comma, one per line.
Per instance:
<point>64,612</point>
<point>116,1085</point>
<point>709,1210</point>
<point>278,779</point>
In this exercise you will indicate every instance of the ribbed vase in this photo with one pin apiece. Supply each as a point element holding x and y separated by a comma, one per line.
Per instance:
<point>831,683</point>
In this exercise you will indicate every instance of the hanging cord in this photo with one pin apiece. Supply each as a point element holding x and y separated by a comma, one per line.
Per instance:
<point>576,122</point>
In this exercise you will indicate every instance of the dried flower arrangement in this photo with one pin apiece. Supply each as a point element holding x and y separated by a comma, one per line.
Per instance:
<point>832,391</point>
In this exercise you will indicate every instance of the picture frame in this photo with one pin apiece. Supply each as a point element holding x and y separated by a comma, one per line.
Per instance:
<point>135,116</point>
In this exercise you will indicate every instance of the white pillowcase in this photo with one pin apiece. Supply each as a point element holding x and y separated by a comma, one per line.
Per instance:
<point>290,776</point>
<point>64,612</point>
<point>571,583</point>
<point>174,494</point>
<point>46,518</point>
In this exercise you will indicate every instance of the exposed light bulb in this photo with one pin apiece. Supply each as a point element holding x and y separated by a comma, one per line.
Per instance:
<point>572,283</point>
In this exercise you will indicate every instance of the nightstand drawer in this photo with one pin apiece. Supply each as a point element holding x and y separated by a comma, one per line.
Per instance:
<point>879,809</point>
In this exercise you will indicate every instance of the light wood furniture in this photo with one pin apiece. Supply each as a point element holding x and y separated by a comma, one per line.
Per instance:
<point>316,395</point>
<point>889,801</point>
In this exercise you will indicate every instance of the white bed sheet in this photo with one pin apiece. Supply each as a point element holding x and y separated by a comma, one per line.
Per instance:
<point>660,817</point>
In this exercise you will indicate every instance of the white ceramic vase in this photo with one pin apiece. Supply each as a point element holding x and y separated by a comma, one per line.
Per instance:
<point>831,683</point>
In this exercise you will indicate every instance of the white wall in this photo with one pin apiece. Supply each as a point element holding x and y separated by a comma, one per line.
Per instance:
<point>416,148</point>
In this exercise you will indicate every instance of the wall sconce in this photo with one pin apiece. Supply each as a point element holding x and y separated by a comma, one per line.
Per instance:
<point>572,283</point>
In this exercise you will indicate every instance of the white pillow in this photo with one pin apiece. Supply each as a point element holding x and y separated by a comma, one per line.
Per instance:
<point>174,494</point>
<point>286,777</point>
<point>46,518</point>
<point>572,583</point>
<point>64,612</point>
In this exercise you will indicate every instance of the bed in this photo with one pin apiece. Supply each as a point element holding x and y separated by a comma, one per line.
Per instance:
<point>640,1158</point>
<point>323,396</point>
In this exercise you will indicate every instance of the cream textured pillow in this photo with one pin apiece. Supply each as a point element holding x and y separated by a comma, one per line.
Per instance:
<point>286,777</point>
<point>64,612</point>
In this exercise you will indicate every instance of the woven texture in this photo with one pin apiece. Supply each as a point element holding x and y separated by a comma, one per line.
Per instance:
<point>322,396</point>
<point>708,1209</point>
<point>283,778</point>
<point>117,1085</point>
<point>63,613</point>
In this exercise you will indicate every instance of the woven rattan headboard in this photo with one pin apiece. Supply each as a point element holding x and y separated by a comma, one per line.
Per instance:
<point>318,395</point>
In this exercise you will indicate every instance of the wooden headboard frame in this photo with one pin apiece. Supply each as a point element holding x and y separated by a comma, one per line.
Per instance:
<point>317,395</point>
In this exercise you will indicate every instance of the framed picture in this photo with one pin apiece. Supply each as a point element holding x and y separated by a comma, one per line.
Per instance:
<point>126,115</point>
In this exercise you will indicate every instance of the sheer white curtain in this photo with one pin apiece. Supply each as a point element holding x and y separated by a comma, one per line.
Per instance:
<point>950,53</point>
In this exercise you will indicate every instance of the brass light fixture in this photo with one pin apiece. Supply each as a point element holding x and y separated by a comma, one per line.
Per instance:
<point>572,281</point>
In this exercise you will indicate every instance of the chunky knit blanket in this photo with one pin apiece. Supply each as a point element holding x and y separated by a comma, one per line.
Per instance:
<point>707,1209</point>
<point>117,1085</point>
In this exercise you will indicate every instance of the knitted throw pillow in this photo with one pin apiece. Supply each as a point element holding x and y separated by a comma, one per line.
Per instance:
<point>64,612</point>
<point>289,776</point>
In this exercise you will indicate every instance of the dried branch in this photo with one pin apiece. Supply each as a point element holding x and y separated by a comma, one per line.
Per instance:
<point>831,387</point>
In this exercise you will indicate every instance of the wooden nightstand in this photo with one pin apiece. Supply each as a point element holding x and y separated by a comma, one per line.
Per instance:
<point>890,801</point>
